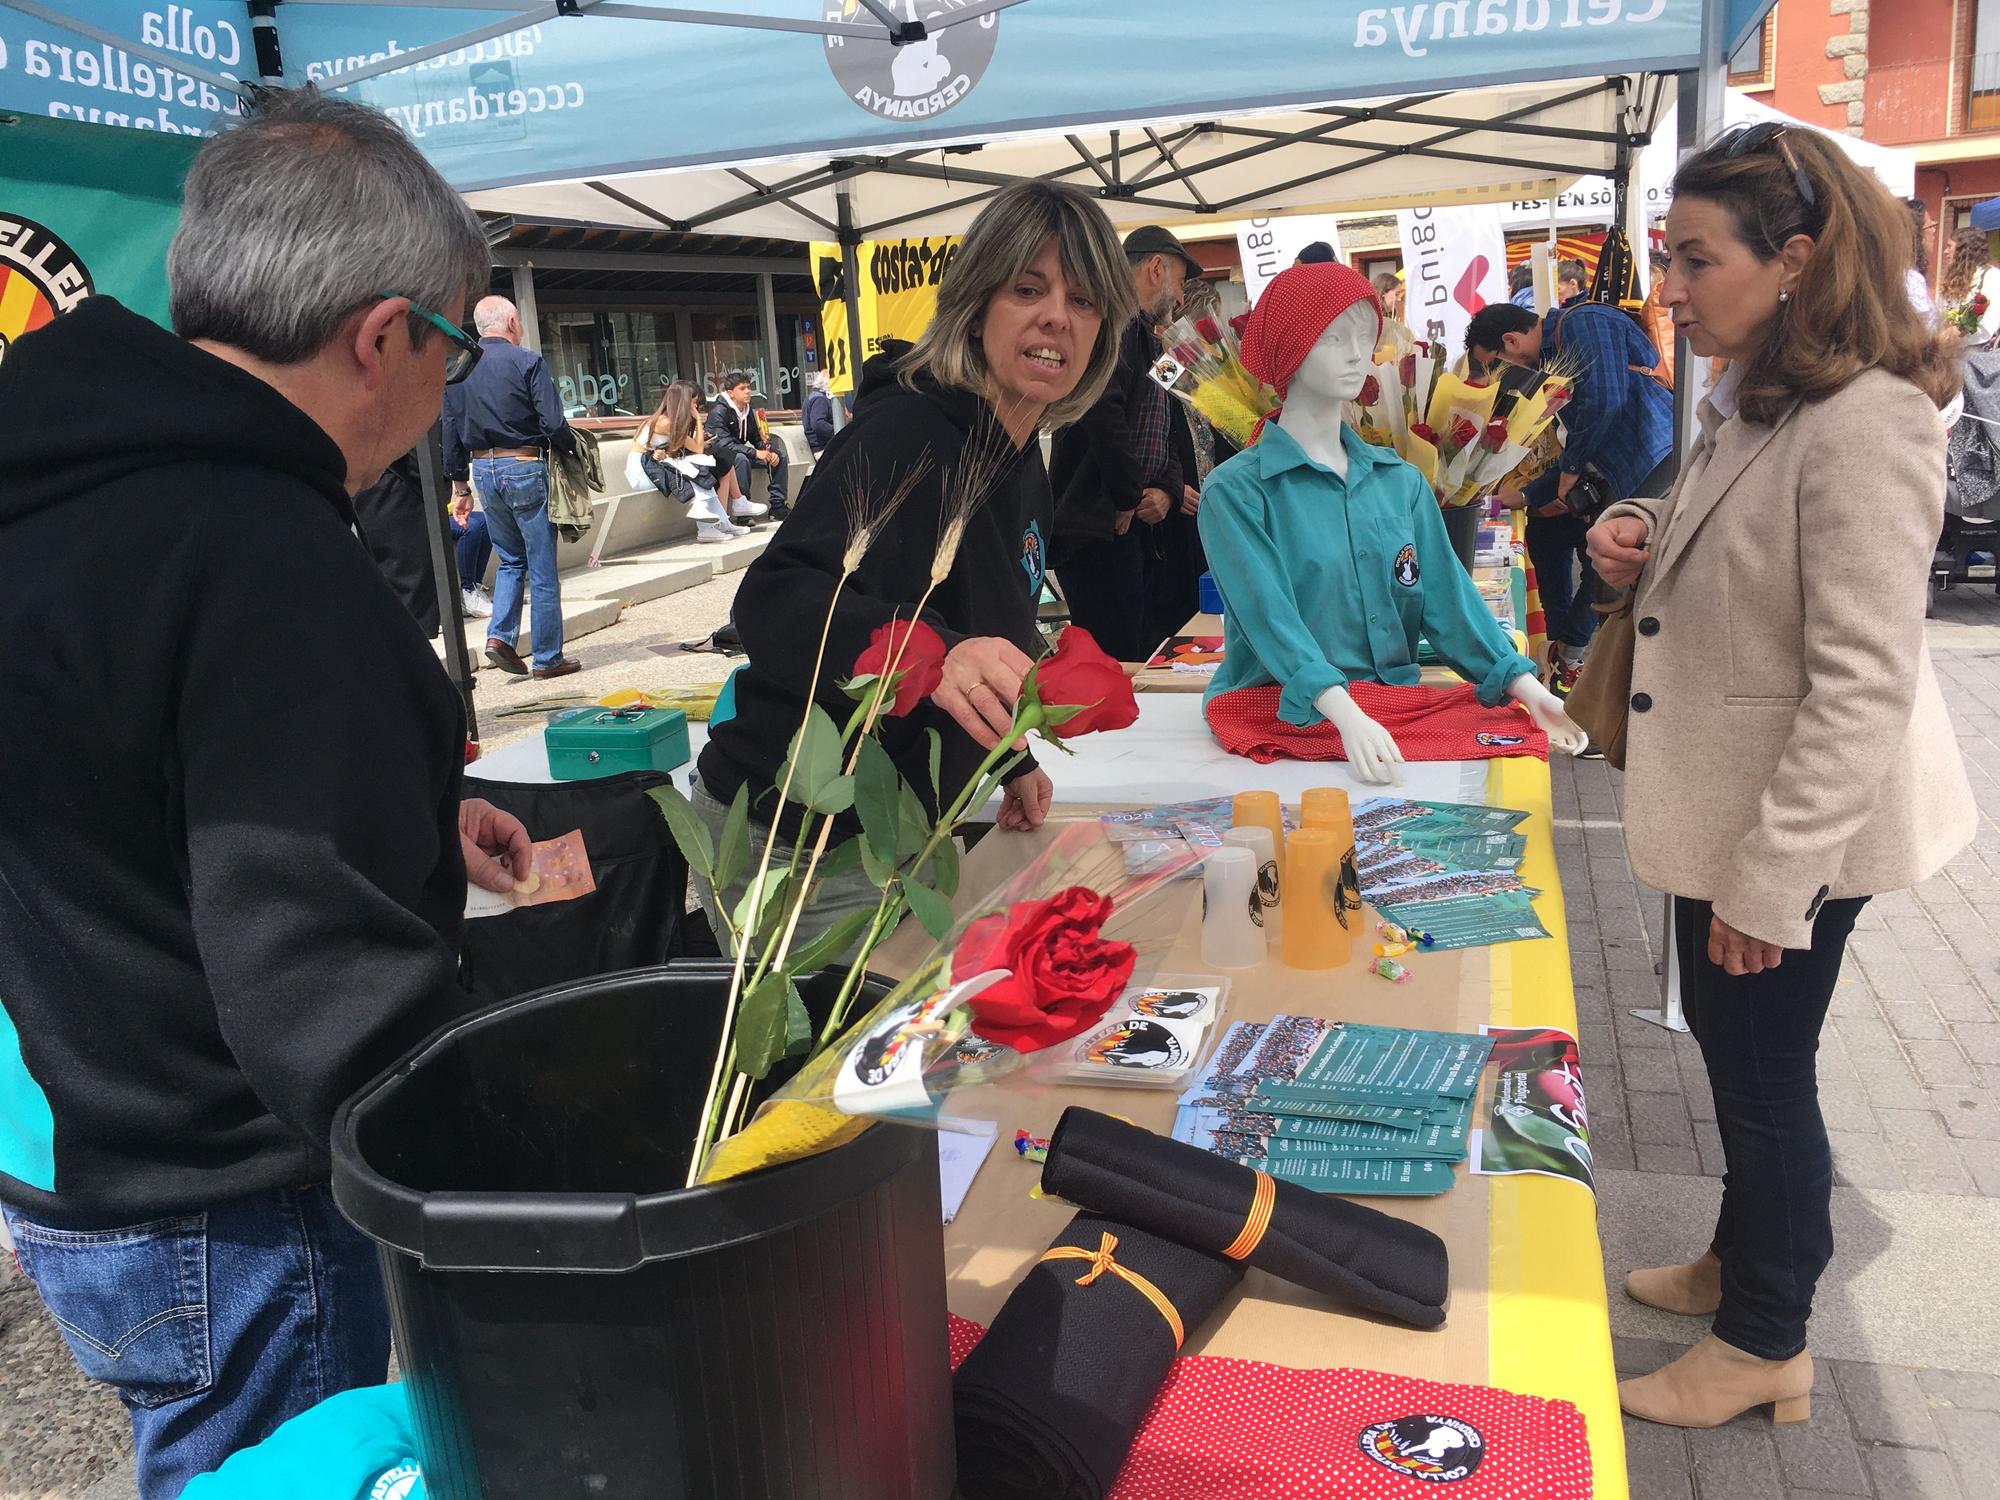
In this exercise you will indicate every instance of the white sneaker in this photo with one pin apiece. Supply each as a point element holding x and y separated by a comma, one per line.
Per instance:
<point>717,531</point>
<point>743,505</point>
<point>474,603</point>
<point>706,507</point>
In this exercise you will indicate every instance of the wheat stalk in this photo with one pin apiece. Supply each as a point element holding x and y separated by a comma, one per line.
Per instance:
<point>869,510</point>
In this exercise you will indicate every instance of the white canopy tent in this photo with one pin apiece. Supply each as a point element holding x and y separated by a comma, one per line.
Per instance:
<point>1476,145</point>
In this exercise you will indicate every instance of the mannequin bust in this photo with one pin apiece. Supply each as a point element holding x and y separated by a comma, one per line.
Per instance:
<point>1314,382</point>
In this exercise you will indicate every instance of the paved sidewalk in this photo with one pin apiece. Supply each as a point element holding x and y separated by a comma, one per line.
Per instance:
<point>1906,1327</point>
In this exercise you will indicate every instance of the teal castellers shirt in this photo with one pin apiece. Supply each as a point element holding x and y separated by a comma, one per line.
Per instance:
<point>1328,581</point>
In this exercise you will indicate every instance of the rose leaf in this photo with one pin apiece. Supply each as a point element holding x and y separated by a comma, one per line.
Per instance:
<point>931,909</point>
<point>685,824</point>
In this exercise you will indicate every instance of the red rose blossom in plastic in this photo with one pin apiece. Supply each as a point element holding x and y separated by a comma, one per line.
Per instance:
<point>1062,974</point>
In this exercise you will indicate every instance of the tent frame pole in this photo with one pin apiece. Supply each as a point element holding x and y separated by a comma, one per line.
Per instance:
<point>1699,120</point>
<point>850,282</point>
<point>444,567</point>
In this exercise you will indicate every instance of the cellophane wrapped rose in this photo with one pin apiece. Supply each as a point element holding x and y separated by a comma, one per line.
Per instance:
<point>1062,974</point>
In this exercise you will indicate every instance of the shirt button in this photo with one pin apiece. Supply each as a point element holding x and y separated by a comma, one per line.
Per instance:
<point>1374,619</point>
<point>1649,626</point>
<point>1641,702</point>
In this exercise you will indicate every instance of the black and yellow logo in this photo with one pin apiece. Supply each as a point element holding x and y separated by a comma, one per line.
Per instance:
<point>40,277</point>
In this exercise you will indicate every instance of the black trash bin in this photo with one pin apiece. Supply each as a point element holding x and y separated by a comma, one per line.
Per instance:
<point>573,1324</point>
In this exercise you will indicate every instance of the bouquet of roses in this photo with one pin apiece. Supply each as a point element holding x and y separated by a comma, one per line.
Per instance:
<point>1464,436</point>
<point>1967,315</point>
<point>1203,366</point>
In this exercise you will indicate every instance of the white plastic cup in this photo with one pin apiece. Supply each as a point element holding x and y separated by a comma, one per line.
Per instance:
<point>1230,938</point>
<point>1269,912</point>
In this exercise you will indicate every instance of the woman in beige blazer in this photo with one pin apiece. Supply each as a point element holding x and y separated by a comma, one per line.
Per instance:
<point>1788,754</point>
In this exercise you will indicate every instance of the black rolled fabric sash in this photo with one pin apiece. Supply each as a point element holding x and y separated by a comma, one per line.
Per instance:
<point>1326,1244</point>
<point>1050,1400</point>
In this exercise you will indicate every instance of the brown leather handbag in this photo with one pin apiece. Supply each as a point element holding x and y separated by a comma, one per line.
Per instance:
<point>1601,701</point>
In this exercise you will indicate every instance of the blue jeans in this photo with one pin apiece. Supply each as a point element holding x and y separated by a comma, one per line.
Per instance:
<point>515,494</point>
<point>1759,1037</point>
<point>1556,546</point>
<point>475,548</point>
<point>217,1327</point>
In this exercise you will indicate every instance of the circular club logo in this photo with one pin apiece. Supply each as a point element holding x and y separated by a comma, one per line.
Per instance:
<point>1437,1450</point>
<point>40,277</point>
<point>1137,1043</point>
<point>917,80</point>
<point>1406,567</point>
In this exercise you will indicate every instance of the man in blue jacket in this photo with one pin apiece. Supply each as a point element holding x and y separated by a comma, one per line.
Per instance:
<point>1618,442</point>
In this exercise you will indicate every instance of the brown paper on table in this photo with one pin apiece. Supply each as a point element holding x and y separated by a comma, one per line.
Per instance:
<point>1001,1230</point>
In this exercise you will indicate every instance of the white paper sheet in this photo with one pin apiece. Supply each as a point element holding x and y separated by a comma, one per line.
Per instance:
<point>961,1153</point>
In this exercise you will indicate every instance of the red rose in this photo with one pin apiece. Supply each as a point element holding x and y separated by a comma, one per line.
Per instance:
<point>1062,976</point>
<point>919,667</point>
<point>1423,430</point>
<point>1979,304</point>
<point>1463,430</point>
<point>1238,323</point>
<point>1371,391</point>
<point>1209,329</point>
<point>1558,397</point>
<point>1406,369</point>
<point>1078,672</point>
<point>1495,436</point>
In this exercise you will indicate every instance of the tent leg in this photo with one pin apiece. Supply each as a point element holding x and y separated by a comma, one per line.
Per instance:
<point>524,303</point>
<point>850,259</point>
<point>1668,1016</point>
<point>444,564</point>
<point>767,317</point>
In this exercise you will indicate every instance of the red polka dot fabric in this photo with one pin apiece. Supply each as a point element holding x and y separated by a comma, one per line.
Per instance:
<point>1238,1429</point>
<point>1428,724</point>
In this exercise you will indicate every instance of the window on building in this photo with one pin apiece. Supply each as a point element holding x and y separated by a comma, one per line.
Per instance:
<point>1983,88</point>
<point>725,341</point>
<point>1751,67</point>
<point>609,364</point>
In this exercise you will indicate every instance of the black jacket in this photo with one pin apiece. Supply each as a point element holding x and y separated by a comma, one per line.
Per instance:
<point>781,605</point>
<point>230,879</point>
<point>1092,464</point>
<point>731,432</point>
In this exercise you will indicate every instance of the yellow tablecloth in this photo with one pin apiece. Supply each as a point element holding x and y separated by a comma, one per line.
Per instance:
<point>1528,1302</point>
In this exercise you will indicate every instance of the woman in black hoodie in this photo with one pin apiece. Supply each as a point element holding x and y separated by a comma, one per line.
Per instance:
<point>1024,336</point>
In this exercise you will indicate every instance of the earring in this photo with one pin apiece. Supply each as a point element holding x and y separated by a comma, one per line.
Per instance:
<point>1784,294</point>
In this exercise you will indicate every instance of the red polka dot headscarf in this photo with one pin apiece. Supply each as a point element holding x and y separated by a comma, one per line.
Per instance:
<point>1297,307</point>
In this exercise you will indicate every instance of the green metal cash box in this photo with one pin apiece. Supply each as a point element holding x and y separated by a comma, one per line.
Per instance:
<point>605,741</point>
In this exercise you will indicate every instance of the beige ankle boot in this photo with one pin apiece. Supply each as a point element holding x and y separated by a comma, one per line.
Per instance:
<point>1715,1381</point>
<point>1694,1289</point>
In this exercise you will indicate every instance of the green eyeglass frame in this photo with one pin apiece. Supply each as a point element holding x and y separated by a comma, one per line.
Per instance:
<point>465,348</point>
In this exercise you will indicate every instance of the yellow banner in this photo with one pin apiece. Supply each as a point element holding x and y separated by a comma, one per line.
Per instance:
<point>897,295</point>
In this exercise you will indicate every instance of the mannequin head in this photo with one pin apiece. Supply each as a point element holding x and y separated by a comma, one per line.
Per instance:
<point>1342,357</point>
<point>1299,305</point>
